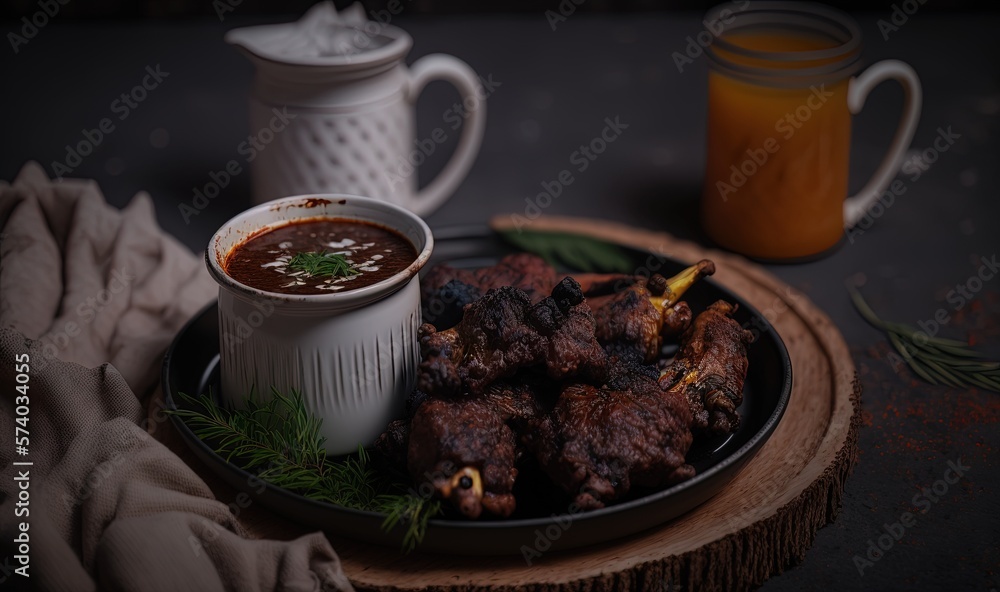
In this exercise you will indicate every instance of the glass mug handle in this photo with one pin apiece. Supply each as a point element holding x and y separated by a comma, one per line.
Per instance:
<point>856,205</point>
<point>450,69</point>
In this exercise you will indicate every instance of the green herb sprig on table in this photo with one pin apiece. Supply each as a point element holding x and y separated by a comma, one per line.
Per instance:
<point>579,252</point>
<point>322,264</point>
<point>935,359</point>
<point>279,441</point>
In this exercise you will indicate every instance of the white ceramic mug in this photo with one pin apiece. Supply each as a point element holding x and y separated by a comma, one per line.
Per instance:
<point>352,354</point>
<point>347,123</point>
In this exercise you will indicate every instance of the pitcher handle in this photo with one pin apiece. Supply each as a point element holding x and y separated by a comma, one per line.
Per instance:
<point>457,72</point>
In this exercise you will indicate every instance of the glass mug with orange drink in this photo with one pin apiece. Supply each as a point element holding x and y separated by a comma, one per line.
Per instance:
<point>783,83</point>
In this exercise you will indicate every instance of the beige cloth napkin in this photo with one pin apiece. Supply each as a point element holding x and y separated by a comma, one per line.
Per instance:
<point>94,295</point>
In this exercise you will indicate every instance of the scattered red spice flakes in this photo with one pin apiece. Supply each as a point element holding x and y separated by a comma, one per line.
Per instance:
<point>916,419</point>
<point>890,409</point>
<point>918,409</point>
<point>972,411</point>
<point>878,351</point>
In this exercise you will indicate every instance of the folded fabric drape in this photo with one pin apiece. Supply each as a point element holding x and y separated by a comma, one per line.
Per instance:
<point>94,295</point>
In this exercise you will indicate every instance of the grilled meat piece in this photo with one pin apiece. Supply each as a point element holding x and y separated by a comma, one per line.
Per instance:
<point>525,271</point>
<point>632,323</point>
<point>633,320</point>
<point>441,274</point>
<point>466,448</point>
<point>600,442</point>
<point>444,306</point>
<point>633,313</point>
<point>445,290</point>
<point>710,369</point>
<point>503,332</point>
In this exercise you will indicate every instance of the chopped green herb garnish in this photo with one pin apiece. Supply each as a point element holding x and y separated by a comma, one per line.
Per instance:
<point>322,264</point>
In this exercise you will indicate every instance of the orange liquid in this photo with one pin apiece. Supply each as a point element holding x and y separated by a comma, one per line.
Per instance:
<point>777,167</point>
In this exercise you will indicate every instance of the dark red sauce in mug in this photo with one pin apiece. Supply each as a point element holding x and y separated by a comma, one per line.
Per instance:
<point>376,253</point>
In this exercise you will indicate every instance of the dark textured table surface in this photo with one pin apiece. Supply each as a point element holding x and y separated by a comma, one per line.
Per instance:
<point>555,90</point>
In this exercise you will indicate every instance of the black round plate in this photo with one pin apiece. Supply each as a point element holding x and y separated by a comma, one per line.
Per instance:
<point>191,366</point>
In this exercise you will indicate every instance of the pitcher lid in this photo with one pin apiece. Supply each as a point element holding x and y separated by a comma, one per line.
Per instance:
<point>324,37</point>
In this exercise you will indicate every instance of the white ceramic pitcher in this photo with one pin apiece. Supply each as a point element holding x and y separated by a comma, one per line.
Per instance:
<point>332,111</point>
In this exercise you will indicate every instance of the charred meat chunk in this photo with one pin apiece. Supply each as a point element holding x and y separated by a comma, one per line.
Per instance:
<point>467,448</point>
<point>710,369</point>
<point>503,332</point>
<point>601,441</point>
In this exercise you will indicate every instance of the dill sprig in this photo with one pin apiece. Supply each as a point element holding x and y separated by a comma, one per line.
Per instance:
<point>280,441</point>
<point>407,510</point>
<point>935,359</point>
<point>322,264</point>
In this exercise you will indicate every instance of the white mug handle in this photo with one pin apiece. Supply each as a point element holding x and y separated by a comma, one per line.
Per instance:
<point>457,72</point>
<point>856,205</point>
